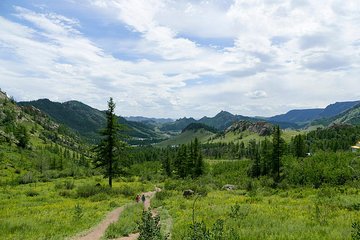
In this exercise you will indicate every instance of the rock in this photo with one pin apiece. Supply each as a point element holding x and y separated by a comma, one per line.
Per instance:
<point>261,128</point>
<point>229,187</point>
<point>188,193</point>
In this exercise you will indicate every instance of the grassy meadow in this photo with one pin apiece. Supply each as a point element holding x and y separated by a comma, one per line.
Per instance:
<point>62,208</point>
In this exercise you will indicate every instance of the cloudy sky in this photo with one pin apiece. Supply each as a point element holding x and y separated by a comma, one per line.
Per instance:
<point>173,58</point>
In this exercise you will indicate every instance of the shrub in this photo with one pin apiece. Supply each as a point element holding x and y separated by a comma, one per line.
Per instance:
<point>355,233</point>
<point>65,193</point>
<point>238,212</point>
<point>31,193</point>
<point>99,197</point>
<point>27,178</point>
<point>78,212</point>
<point>89,190</point>
<point>149,227</point>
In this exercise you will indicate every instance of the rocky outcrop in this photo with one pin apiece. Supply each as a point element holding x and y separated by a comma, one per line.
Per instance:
<point>261,128</point>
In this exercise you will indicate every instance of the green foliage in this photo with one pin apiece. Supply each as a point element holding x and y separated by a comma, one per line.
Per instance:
<point>355,233</point>
<point>78,212</point>
<point>322,168</point>
<point>89,190</point>
<point>189,161</point>
<point>334,138</point>
<point>111,148</point>
<point>237,212</point>
<point>127,223</point>
<point>149,227</point>
<point>31,193</point>
<point>22,136</point>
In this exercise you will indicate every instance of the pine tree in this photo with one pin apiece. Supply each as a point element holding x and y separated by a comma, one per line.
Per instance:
<point>278,150</point>
<point>198,159</point>
<point>110,148</point>
<point>299,147</point>
<point>22,136</point>
<point>266,156</point>
<point>255,157</point>
<point>166,163</point>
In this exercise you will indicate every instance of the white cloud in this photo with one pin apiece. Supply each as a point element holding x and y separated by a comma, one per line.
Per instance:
<point>269,56</point>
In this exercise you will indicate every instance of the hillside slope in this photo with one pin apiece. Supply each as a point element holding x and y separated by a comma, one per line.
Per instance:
<point>305,116</point>
<point>35,148</point>
<point>88,121</point>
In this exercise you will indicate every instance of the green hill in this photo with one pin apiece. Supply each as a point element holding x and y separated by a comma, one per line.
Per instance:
<point>186,137</point>
<point>35,148</point>
<point>88,121</point>
<point>351,116</point>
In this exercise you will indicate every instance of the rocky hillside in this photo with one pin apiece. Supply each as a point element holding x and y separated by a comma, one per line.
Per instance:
<point>261,128</point>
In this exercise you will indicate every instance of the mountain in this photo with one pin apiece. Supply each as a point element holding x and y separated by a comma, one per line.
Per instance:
<point>33,147</point>
<point>87,121</point>
<point>220,121</point>
<point>305,116</point>
<point>260,128</point>
<point>146,120</point>
<point>351,116</point>
<point>178,125</point>
<point>298,116</point>
<point>198,126</point>
<point>194,130</point>
<point>337,108</point>
<point>223,120</point>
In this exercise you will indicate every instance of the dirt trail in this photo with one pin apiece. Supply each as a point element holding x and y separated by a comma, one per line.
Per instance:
<point>147,203</point>
<point>97,232</point>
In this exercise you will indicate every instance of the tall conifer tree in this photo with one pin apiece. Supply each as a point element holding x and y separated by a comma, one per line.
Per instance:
<point>110,148</point>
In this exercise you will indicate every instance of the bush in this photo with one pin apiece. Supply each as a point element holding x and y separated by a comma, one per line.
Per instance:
<point>90,190</point>
<point>99,197</point>
<point>27,178</point>
<point>355,233</point>
<point>163,195</point>
<point>149,227</point>
<point>65,193</point>
<point>31,193</point>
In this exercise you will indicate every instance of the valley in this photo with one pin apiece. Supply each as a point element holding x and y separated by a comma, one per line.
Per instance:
<point>51,190</point>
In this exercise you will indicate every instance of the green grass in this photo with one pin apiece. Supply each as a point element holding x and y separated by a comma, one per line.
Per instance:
<point>186,137</point>
<point>47,210</point>
<point>246,136</point>
<point>127,223</point>
<point>271,214</point>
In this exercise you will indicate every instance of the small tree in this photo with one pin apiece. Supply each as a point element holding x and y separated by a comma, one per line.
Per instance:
<point>149,227</point>
<point>110,148</point>
<point>22,136</point>
<point>278,151</point>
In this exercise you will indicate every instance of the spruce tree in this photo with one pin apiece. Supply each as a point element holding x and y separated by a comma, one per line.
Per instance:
<point>22,136</point>
<point>278,150</point>
<point>198,159</point>
<point>110,148</point>
<point>299,147</point>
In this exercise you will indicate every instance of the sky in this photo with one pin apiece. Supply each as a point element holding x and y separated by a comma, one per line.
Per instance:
<point>175,58</point>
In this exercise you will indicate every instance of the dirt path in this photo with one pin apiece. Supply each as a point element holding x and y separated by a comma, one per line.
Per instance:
<point>97,232</point>
<point>147,204</point>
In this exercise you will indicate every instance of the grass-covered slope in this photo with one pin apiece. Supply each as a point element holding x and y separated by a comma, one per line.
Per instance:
<point>186,137</point>
<point>88,121</point>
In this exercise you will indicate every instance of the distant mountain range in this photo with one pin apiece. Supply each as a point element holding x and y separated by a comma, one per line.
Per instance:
<point>147,120</point>
<point>305,116</point>
<point>87,121</point>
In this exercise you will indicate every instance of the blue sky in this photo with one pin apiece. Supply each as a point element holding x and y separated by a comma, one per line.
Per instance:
<point>168,58</point>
